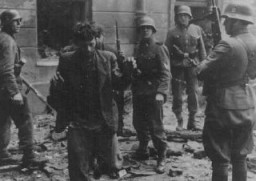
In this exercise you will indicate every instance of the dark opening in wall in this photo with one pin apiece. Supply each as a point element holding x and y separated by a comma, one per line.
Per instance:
<point>55,22</point>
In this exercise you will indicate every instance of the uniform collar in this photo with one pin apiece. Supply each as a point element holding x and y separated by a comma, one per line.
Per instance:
<point>147,41</point>
<point>183,28</point>
<point>240,31</point>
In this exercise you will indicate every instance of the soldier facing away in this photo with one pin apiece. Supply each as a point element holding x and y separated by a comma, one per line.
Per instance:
<point>186,47</point>
<point>230,112</point>
<point>150,86</point>
<point>13,104</point>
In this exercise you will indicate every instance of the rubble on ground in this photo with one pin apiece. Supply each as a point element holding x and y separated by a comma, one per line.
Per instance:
<point>186,158</point>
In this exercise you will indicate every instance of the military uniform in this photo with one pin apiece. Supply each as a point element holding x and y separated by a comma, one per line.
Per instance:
<point>230,112</point>
<point>10,85</point>
<point>151,77</point>
<point>186,49</point>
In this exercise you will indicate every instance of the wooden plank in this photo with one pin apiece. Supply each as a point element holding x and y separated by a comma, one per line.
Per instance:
<point>18,4</point>
<point>114,5</point>
<point>107,19</point>
<point>27,37</point>
<point>29,17</point>
<point>157,6</point>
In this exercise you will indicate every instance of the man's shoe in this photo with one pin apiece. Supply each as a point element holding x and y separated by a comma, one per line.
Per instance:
<point>31,162</point>
<point>180,125</point>
<point>160,169</point>
<point>193,126</point>
<point>6,158</point>
<point>5,155</point>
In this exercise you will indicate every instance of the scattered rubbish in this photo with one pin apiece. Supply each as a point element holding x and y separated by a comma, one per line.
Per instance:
<point>170,153</point>
<point>174,172</point>
<point>199,154</point>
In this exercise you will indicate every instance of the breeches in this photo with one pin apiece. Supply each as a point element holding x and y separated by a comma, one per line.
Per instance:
<point>148,121</point>
<point>21,116</point>
<point>184,78</point>
<point>227,134</point>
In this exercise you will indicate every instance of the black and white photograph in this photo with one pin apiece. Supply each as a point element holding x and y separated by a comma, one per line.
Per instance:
<point>127,90</point>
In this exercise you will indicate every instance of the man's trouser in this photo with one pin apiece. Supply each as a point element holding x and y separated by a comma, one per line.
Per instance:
<point>21,116</point>
<point>228,138</point>
<point>148,121</point>
<point>184,77</point>
<point>119,98</point>
<point>82,145</point>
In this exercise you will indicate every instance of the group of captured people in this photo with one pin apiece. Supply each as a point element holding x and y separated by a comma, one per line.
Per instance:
<point>91,78</point>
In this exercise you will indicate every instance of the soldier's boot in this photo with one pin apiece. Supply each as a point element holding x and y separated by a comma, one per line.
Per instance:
<point>142,153</point>
<point>30,161</point>
<point>6,158</point>
<point>161,161</point>
<point>192,123</point>
<point>180,122</point>
<point>4,154</point>
<point>220,172</point>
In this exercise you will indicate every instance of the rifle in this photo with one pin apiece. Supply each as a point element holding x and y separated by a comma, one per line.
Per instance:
<point>37,93</point>
<point>118,46</point>
<point>188,56</point>
<point>216,31</point>
<point>209,85</point>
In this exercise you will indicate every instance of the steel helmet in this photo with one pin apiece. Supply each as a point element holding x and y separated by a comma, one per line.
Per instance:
<point>184,10</point>
<point>147,21</point>
<point>239,11</point>
<point>8,16</point>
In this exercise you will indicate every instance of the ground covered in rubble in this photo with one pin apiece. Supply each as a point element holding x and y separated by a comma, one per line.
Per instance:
<point>186,159</point>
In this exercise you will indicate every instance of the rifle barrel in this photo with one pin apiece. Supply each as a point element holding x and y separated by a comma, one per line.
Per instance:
<point>37,93</point>
<point>118,47</point>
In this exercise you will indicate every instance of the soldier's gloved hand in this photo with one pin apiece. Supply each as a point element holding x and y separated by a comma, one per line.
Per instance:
<point>18,99</point>
<point>159,99</point>
<point>132,62</point>
<point>187,62</point>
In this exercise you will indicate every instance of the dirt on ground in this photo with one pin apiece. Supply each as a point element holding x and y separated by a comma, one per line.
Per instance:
<point>186,160</point>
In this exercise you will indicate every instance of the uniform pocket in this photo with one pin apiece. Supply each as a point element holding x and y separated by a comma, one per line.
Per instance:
<point>236,97</point>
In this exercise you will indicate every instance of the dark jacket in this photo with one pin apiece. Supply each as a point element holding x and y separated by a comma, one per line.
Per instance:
<point>71,70</point>
<point>227,66</point>
<point>153,69</point>
<point>10,83</point>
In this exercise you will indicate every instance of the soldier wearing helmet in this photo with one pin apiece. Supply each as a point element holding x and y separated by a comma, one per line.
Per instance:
<point>150,87</point>
<point>186,47</point>
<point>14,104</point>
<point>230,112</point>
